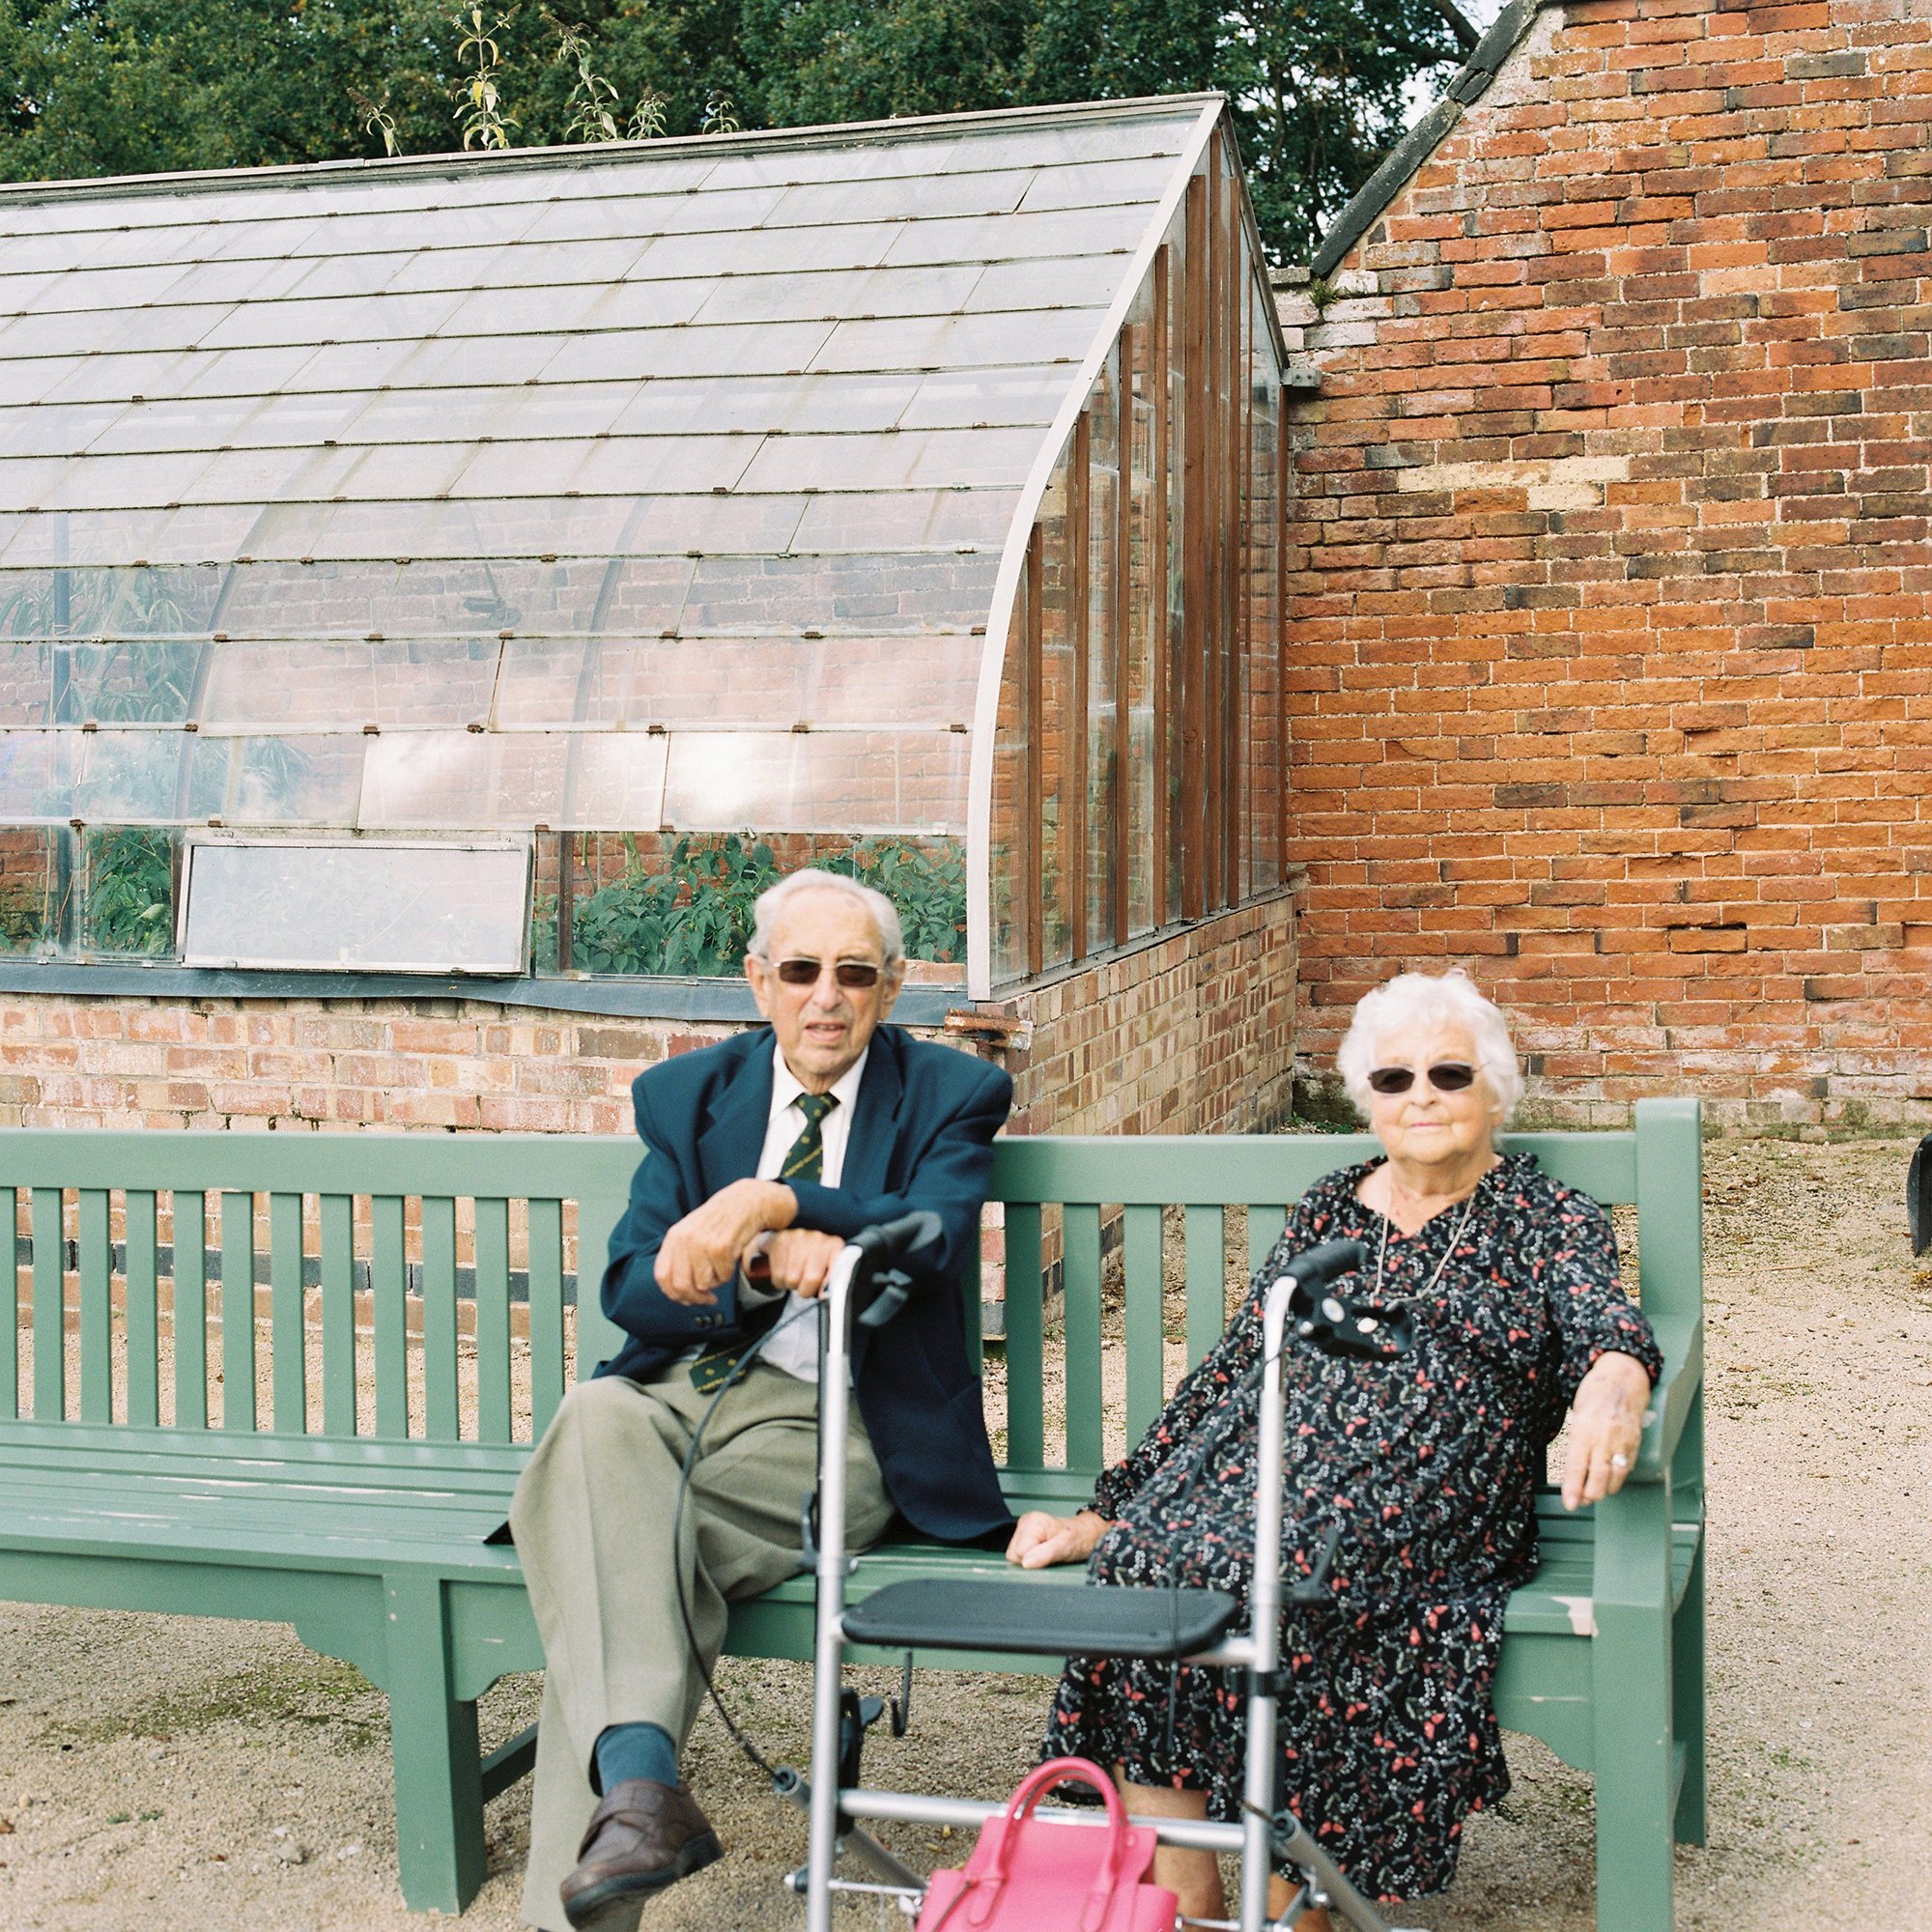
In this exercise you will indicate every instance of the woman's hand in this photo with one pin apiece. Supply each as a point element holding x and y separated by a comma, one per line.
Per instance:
<point>1605,1425</point>
<point>1040,1540</point>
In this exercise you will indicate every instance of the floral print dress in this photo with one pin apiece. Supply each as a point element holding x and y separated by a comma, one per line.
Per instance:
<point>1429,1461</point>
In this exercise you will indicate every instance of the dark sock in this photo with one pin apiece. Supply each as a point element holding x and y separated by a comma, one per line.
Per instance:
<point>634,1750</point>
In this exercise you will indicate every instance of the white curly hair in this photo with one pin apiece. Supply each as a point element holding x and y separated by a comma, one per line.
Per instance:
<point>1430,999</point>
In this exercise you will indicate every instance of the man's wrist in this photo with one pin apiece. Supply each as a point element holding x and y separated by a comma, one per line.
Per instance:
<point>782,1205</point>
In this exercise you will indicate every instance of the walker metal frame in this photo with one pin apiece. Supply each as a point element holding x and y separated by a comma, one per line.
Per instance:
<point>1264,1833</point>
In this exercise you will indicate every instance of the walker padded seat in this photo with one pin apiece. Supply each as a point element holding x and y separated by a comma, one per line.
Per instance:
<point>371,1428</point>
<point>1012,1617</point>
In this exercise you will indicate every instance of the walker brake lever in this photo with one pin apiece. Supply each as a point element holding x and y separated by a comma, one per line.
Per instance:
<point>1313,1588</point>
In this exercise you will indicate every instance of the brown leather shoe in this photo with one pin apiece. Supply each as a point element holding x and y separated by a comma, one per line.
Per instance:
<point>644,1837</point>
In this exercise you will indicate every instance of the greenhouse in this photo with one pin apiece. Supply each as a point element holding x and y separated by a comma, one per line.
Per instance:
<point>503,566</point>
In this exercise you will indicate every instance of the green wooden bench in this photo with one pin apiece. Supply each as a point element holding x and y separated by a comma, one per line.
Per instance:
<point>362,1521</point>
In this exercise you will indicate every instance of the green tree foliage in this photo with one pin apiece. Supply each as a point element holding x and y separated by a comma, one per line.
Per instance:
<point>93,87</point>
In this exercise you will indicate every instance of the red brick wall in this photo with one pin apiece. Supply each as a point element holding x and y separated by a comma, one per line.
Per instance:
<point>1613,625</point>
<point>1189,1034</point>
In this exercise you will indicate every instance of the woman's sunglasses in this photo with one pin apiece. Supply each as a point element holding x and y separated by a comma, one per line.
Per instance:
<point>1446,1077</point>
<point>856,975</point>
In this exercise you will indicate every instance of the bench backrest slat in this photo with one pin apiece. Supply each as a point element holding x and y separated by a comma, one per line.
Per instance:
<point>141,1216</point>
<point>546,1307</point>
<point>287,1342</point>
<point>389,1278</point>
<point>191,1309</point>
<point>441,1398</point>
<point>95,1257</point>
<point>237,1309</point>
<point>382,1248</point>
<point>492,1320</point>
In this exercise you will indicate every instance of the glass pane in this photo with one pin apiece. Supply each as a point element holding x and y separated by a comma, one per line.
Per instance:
<point>1103,501</point>
<point>463,778</point>
<point>827,294</point>
<point>735,348</point>
<point>35,886</point>
<point>127,897</point>
<point>854,781</point>
<point>958,341</point>
<point>986,396</point>
<point>1078,281</point>
<point>999,237</point>
<point>927,519</point>
<point>1012,832</point>
<point>37,776</point>
<point>134,777</point>
<point>372,907</point>
<point>1059,869</point>
<point>934,458</point>
<point>278,781</point>
<point>301,683</point>
<point>1141,818</point>
<point>855,592</point>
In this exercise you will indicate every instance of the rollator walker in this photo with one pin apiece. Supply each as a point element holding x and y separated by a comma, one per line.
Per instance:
<point>1020,1616</point>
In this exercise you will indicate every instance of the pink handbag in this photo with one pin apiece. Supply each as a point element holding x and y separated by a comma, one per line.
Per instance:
<point>1028,1873</point>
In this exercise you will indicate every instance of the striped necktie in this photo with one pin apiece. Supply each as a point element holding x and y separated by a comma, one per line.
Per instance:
<point>804,1161</point>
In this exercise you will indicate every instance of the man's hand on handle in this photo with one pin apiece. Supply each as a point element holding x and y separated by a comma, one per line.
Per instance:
<point>1040,1540</point>
<point>702,1252</point>
<point>799,1261</point>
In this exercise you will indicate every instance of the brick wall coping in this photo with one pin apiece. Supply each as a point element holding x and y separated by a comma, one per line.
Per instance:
<point>1468,86</point>
<point>717,1001</point>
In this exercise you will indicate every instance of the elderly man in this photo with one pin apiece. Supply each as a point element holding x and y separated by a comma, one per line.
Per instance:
<point>763,1154</point>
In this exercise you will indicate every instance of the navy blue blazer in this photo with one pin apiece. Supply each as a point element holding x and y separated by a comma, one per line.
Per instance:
<point>921,1137</point>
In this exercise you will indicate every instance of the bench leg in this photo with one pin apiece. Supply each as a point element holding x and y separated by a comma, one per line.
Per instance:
<point>1633,1769</point>
<point>434,1751</point>
<point>1687,1696</point>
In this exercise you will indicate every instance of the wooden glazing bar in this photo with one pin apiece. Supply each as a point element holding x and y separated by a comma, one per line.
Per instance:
<point>1141,1261</point>
<point>237,1311</point>
<point>1195,508</point>
<point>1157,570</point>
<point>143,1315</point>
<point>389,1275</point>
<point>96,1258</point>
<point>1121,834</point>
<point>190,1229</point>
<point>1214,630</point>
<point>547,1365</point>
<point>286,1338</point>
<point>10,1331</point>
<point>1026,1416</point>
<point>49,1308</point>
<point>1081,1275</point>
<point>336,1214</point>
<point>1033,886</point>
<point>441,1406</point>
<point>1074,855</point>
<point>1241,790</point>
<point>1283,475</point>
<point>492,1320</point>
<point>1206,1246</point>
<point>1234,527</point>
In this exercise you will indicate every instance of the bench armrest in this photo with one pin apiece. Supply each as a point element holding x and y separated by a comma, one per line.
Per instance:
<point>1673,1399</point>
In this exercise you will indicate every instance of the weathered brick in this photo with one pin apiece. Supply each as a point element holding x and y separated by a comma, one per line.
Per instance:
<point>1710,232</point>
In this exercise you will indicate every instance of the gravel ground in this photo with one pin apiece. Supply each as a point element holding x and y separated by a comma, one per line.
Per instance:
<point>169,1772</point>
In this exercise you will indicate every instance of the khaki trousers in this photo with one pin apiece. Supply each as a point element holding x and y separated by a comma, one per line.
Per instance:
<point>592,1518</point>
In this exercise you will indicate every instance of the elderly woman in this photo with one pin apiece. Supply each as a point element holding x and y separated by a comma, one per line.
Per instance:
<point>1429,1461</point>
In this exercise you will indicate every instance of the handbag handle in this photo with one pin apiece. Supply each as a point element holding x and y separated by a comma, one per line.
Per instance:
<point>1020,1807</point>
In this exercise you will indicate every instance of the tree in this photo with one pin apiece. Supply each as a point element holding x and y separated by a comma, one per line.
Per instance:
<point>94,87</point>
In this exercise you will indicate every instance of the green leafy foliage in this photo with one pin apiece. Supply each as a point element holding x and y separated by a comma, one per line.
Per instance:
<point>131,900</point>
<point>693,916</point>
<point>91,87</point>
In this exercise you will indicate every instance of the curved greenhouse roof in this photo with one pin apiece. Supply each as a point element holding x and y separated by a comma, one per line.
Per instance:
<point>655,489</point>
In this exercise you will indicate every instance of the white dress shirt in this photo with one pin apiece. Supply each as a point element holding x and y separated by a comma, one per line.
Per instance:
<point>794,1343</point>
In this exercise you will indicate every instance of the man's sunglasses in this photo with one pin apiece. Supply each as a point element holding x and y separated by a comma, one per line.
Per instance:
<point>1446,1077</point>
<point>856,975</point>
